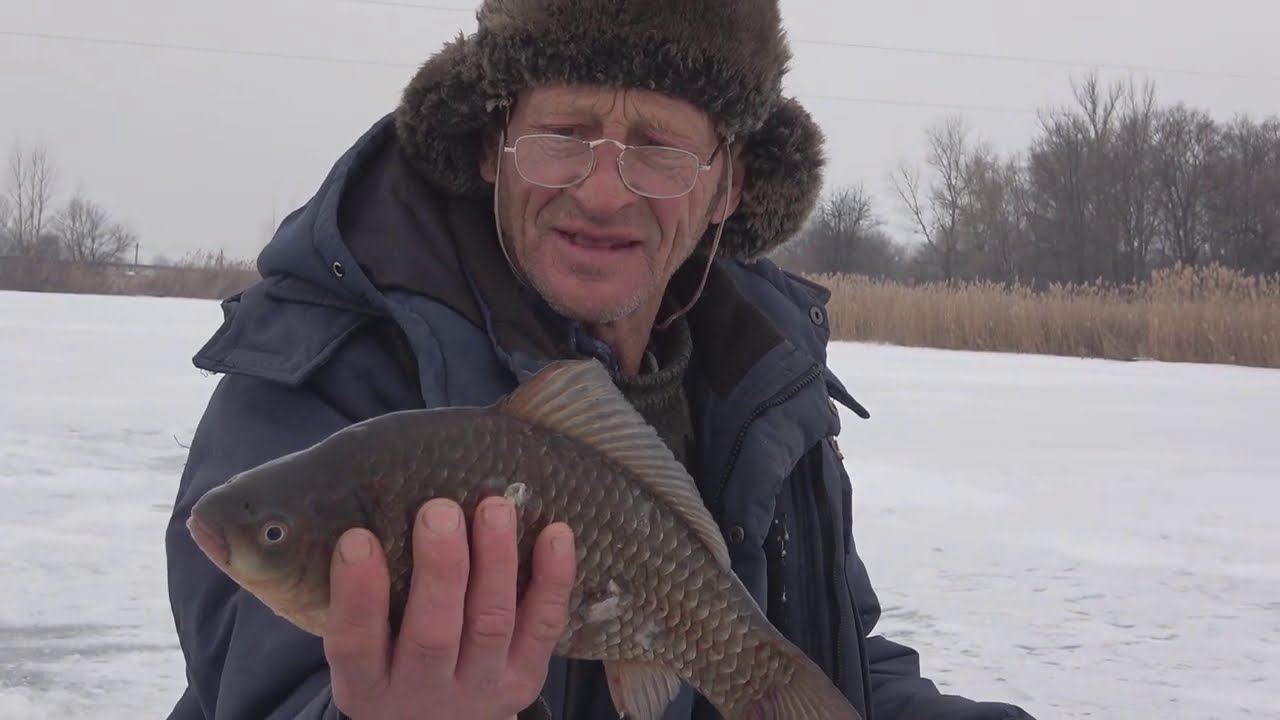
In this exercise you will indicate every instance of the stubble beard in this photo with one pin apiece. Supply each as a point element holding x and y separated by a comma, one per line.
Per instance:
<point>542,284</point>
<point>602,314</point>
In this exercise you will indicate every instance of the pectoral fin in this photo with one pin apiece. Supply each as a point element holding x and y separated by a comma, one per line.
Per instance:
<point>639,691</point>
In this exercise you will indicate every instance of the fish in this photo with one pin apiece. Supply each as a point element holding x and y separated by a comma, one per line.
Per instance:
<point>655,598</point>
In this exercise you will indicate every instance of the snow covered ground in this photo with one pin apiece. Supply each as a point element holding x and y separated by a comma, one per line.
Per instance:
<point>1090,539</point>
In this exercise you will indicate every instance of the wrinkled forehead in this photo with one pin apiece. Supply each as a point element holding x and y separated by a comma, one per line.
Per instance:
<point>632,110</point>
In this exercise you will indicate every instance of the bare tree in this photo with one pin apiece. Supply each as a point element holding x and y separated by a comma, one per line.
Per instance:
<point>1186,141</point>
<point>995,217</point>
<point>1130,203</point>
<point>844,235</point>
<point>30,193</point>
<point>1112,185</point>
<point>841,225</point>
<point>936,209</point>
<point>6,219</point>
<point>1244,196</point>
<point>88,234</point>
<point>846,211</point>
<point>1076,214</point>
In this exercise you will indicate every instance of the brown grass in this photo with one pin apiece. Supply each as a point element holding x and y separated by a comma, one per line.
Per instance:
<point>198,275</point>
<point>1210,315</point>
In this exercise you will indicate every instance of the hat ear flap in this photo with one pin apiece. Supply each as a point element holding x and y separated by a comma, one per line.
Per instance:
<point>441,117</point>
<point>783,165</point>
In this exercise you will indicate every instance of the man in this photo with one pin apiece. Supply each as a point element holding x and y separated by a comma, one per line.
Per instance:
<point>643,159</point>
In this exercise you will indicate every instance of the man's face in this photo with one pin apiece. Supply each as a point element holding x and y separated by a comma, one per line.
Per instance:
<point>597,251</point>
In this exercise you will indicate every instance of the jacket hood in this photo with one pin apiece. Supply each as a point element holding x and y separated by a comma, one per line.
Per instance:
<point>372,227</point>
<point>309,246</point>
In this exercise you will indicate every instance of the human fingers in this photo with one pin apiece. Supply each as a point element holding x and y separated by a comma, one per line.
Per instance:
<point>427,649</point>
<point>491,596</point>
<point>356,631</point>
<point>544,609</point>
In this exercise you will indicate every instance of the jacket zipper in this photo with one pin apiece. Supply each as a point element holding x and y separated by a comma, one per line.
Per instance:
<point>838,584</point>
<point>778,398</point>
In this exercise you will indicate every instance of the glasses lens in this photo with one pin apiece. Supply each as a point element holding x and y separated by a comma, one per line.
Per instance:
<point>659,171</point>
<point>552,160</point>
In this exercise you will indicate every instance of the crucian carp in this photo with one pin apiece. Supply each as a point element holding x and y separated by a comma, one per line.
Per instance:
<point>655,598</point>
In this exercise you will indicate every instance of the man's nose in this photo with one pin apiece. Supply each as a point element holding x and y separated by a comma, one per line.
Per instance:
<point>603,193</point>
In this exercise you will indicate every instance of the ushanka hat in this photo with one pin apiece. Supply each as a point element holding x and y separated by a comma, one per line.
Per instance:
<point>727,57</point>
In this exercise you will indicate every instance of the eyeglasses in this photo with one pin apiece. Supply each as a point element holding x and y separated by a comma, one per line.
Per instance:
<point>560,161</point>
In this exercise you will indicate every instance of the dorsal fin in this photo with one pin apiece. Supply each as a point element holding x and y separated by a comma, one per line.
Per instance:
<point>577,399</point>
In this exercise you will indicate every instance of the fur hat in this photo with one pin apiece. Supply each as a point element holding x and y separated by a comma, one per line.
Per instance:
<point>726,57</point>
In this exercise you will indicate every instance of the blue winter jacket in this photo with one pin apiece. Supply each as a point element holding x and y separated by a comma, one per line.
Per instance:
<point>369,303</point>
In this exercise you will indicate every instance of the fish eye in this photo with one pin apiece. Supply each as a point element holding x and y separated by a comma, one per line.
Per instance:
<point>274,533</point>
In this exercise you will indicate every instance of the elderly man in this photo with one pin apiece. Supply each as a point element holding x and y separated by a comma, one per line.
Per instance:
<point>579,178</point>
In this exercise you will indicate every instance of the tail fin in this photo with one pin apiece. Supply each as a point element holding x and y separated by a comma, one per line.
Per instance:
<point>807,695</point>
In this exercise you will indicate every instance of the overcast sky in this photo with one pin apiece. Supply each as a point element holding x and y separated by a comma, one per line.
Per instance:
<point>200,150</point>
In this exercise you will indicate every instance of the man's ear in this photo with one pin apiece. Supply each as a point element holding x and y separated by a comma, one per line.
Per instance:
<point>489,155</point>
<point>720,213</point>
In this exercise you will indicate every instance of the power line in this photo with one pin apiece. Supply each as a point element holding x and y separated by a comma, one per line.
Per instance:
<point>922,104</point>
<point>1030,59</point>
<point>991,57</point>
<point>415,6</point>
<point>197,48</point>
<point>182,47</point>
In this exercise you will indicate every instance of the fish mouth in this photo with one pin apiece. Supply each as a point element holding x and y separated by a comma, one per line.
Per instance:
<point>211,542</point>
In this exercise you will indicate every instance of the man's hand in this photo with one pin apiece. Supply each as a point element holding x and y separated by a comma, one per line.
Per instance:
<point>465,650</point>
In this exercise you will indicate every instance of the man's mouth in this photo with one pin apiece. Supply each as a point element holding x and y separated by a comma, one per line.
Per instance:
<point>593,242</point>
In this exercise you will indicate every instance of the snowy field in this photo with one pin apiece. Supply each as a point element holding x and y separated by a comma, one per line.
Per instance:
<point>1090,539</point>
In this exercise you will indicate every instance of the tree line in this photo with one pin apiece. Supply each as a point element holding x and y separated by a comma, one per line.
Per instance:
<point>1112,186</point>
<point>34,226</point>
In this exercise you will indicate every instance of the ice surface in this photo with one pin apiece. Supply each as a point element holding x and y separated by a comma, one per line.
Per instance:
<point>1089,539</point>
<point>97,396</point>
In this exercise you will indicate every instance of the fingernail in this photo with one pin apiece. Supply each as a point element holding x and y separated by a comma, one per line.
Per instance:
<point>355,548</point>
<point>562,542</point>
<point>442,517</point>
<point>498,515</point>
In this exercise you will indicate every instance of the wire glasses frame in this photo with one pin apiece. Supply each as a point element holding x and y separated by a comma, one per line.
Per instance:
<point>560,161</point>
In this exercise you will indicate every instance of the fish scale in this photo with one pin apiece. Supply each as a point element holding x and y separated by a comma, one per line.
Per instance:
<point>655,597</point>
<point>601,507</point>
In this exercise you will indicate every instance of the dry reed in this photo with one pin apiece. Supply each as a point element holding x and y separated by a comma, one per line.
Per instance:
<point>199,275</point>
<point>1210,315</point>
